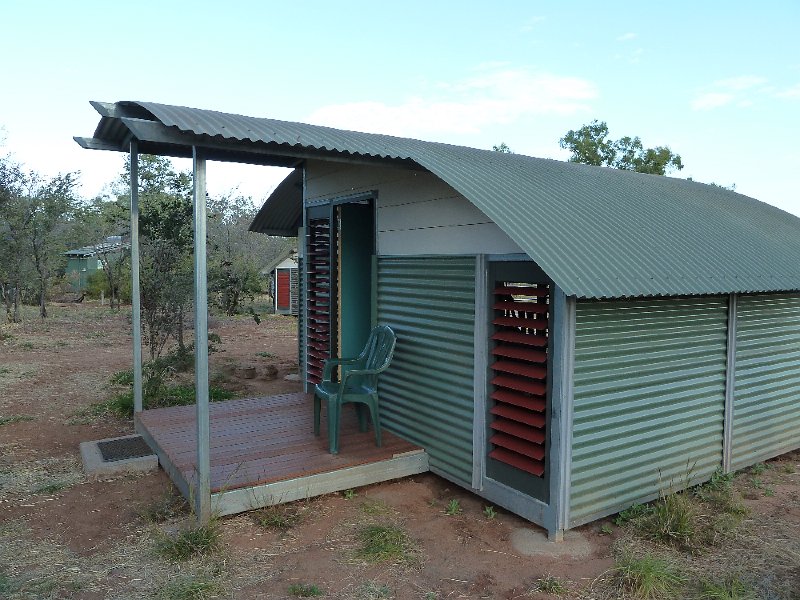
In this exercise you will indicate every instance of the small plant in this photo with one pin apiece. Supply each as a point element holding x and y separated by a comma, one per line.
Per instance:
<point>372,590</point>
<point>189,588</point>
<point>756,483</point>
<point>163,509</point>
<point>759,468</point>
<point>453,508</point>
<point>195,541</point>
<point>4,371</point>
<point>787,468</point>
<point>648,577</point>
<point>430,596</point>
<point>489,512</point>
<point>671,520</point>
<point>281,517</point>
<point>304,590</point>
<point>371,506</point>
<point>380,543</point>
<point>349,494</point>
<point>50,488</point>
<point>630,514</point>
<point>606,529</point>
<point>551,585</point>
<point>122,378</point>
<point>265,354</point>
<point>769,491</point>
<point>27,345</point>
<point>731,589</point>
<point>14,419</point>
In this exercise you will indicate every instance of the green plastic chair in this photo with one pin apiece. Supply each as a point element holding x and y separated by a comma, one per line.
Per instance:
<point>359,384</point>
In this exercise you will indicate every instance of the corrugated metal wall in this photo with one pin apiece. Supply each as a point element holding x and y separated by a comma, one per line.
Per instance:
<point>766,415</point>
<point>649,395</point>
<point>427,392</point>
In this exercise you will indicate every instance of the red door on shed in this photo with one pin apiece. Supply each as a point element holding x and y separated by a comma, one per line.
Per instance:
<point>284,290</point>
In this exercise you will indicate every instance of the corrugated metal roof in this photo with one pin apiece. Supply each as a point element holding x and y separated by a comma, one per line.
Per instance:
<point>282,213</point>
<point>596,232</point>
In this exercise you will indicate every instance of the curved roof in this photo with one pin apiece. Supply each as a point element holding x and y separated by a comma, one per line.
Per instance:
<point>596,232</point>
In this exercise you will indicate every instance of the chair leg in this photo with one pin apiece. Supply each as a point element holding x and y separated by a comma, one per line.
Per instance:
<point>334,409</point>
<point>317,403</point>
<point>362,417</point>
<point>376,419</point>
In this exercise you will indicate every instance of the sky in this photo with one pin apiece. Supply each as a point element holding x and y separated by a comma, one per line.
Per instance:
<point>718,82</point>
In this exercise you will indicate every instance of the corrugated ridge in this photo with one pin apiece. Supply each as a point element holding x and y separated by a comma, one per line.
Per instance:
<point>627,234</point>
<point>649,395</point>
<point>766,417</point>
<point>430,304</point>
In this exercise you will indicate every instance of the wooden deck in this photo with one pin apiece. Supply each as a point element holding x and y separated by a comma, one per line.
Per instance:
<point>264,452</point>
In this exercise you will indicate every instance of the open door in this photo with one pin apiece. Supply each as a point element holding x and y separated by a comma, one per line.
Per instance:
<point>340,244</point>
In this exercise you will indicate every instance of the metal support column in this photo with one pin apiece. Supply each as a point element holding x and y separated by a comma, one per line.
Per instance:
<point>730,385</point>
<point>136,318</point>
<point>202,491</point>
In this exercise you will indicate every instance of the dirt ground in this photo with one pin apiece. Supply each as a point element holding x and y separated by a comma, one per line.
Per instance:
<point>63,535</point>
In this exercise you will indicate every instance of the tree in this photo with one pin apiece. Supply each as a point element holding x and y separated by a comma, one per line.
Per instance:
<point>237,256</point>
<point>35,215</point>
<point>165,227</point>
<point>591,145</point>
<point>503,147</point>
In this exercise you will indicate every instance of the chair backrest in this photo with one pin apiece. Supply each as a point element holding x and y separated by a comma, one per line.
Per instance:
<point>380,348</point>
<point>375,357</point>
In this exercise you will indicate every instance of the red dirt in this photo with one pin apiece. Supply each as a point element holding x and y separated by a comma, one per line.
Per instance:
<point>55,369</point>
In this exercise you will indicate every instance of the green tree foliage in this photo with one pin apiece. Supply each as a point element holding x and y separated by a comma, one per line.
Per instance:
<point>35,217</point>
<point>591,145</point>
<point>165,228</point>
<point>502,147</point>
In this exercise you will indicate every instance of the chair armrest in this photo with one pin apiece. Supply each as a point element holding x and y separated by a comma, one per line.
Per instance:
<point>357,372</point>
<point>331,362</point>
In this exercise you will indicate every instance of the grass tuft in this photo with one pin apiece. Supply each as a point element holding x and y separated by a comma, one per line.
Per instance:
<point>163,509</point>
<point>281,517</point>
<point>304,590</point>
<point>648,577</point>
<point>489,512</point>
<point>194,541</point>
<point>15,419</point>
<point>122,377</point>
<point>372,590</point>
<point>671,520</point>
<point>50,488</point>
<point>370,506</point>
<point>551,585</point>
<point>732,588</point>
<point>190,588</point>
<point>381,543</point>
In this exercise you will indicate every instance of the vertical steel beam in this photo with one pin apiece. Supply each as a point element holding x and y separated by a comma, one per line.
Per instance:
<point>136,309</point>
<point>481,350</point>
<point>202,490</point>
<point>730,384</point>
<point>564,313</point>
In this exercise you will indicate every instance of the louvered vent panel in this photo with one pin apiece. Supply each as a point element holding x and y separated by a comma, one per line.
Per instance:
<point>519,382</point>
<point>318,328</point>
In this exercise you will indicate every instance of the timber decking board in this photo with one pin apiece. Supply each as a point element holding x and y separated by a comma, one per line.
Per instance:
<point>257,441</point>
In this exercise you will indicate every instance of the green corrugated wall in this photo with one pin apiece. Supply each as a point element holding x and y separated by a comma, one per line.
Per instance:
<point>427,392</point>
<point>649,396</point>
<point>766,415</point>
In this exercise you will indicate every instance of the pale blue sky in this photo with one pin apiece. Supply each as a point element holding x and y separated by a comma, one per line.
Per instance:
<point>719,82</point>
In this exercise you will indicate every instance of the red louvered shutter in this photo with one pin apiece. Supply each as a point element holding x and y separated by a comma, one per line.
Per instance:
<point>283,289</point>
<point>519,381</point>
<point>318,328</point>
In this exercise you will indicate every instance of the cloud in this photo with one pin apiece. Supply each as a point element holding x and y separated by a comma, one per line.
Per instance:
<point>792,92</point>
<point>531,24</point>
<point>625,37</point>
<point>491,97</point>
<point>739,84</point>
<point>739,91</point>
<point>711,100</point>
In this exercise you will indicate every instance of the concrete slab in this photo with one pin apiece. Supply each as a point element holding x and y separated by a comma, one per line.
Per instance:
<point>534,542</point>
<point>93,463</point>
